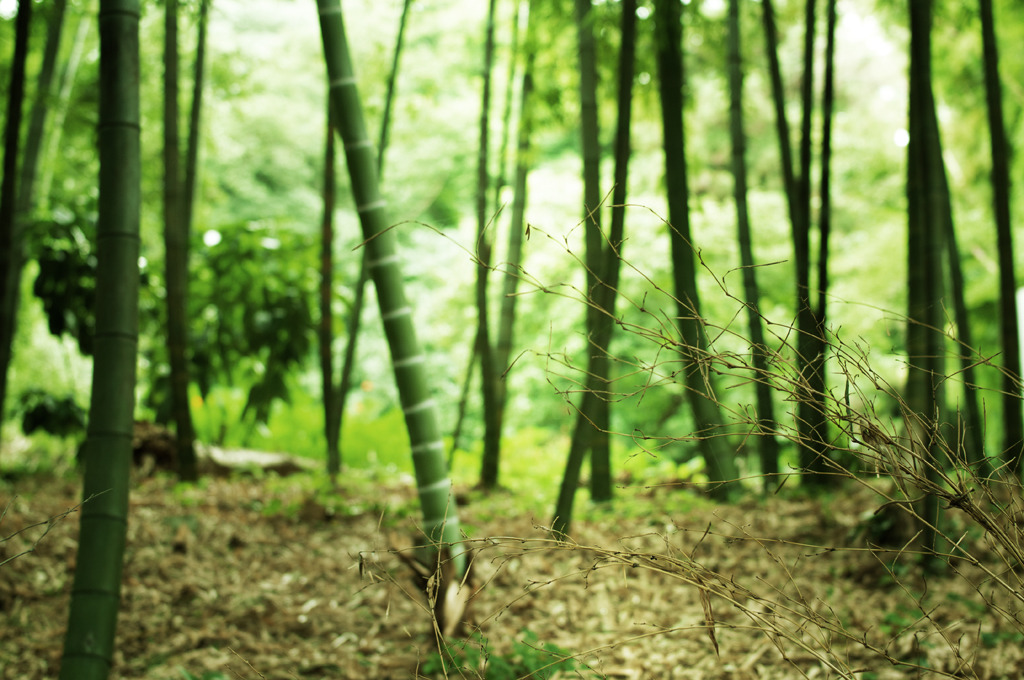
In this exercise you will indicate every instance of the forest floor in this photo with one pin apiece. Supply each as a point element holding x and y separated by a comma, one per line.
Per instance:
<point>263,578</point>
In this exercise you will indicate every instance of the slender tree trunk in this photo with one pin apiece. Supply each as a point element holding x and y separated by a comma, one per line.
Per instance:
<point>972,429</point>
<point>811,423</point>
<point>59,108</point>
<point>195,119</point>
<point>176,244</point>
<point>768,448</point>
<point>606,293</point>
<point>40,110</point>
<point>501,176</point>
<point>718,459</point>
<point>359,298</point>
<point>462,407</point>
<point>514,255</point>
<point>433,484</point>
<point>811,426</point>
<point>348,363</point>
<point>603,301</point>
<point>562,520</point>
<point>10,236</point>
<point>106,454</point>
<point>389,97</point>
<point>592,425</point>
<point>825,212</point>
<point>1013,418</point>
<point>589,142</point>
<point>25,204</point>
<point>499,360</point>
<point>818,345</point>
<point>590,431</point>
<point>616,232</point>
<point>489,375</point>
<point>924,326</point>
<point>325,330</point>
<point>779,100</point>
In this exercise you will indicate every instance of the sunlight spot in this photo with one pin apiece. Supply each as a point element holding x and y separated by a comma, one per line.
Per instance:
<point>211,238</point>
<point>644,78</point>
<point>713,9</point>
<point>507,194</point>
<point>945,113</point>
<point>901,137</point>
<point>642,13</point>
<point>8,8</point>
<point>887,94</point>
<point>143,262</point>
<point>270,243</point>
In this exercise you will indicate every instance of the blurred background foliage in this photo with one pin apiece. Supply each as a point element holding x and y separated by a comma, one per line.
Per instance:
<point>255,237</point>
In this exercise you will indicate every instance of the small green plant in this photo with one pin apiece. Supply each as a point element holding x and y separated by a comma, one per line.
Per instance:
<point>208,675</point>
<point>902,619</point>
<point>993,638</point>
<point>527,658</point>
<point>191,494</point>
<point>541,660</point>
<point>975,607</point>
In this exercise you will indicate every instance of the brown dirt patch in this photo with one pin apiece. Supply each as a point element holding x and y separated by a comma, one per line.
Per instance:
<point>214,587</point>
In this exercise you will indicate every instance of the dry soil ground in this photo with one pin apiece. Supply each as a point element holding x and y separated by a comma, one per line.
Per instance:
<point>248,579</point>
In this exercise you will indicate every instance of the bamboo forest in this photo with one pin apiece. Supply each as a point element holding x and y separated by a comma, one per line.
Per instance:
<point>511,339</point>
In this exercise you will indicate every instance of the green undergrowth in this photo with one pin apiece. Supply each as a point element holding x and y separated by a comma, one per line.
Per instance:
<point>375,447</point>
<point>210,675</point>
<point>528,657</point>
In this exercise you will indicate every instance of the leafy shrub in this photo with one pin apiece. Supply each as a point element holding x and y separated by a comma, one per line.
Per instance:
<point>66,282</point>
<point>60,416</point>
